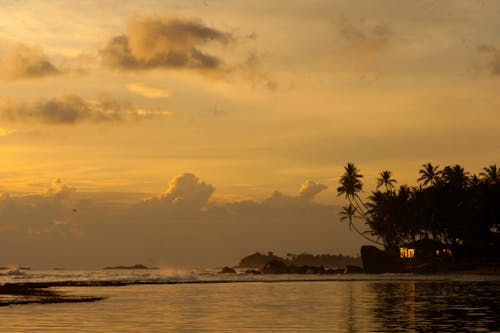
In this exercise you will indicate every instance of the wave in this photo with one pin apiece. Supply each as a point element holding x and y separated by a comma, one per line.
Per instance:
<point>68,278</point>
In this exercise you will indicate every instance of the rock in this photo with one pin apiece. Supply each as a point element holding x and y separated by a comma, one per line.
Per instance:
<point>137,266</point>
<point>275,267</point>
<point>376,261</point>
<point>351,269</point>
<point>227,270</point>
<point>308,270</point>
<point>257,260</point>
<point>252,271</point>
<point>334,271</point>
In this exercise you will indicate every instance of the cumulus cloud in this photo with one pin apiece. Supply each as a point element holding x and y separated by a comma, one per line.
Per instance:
<point>180,226</point>
<point>187,189</point>
<point>49,212</point>
<point>184,192</point>
<point>494,63</point>
<point>22,61</point>
<point>73,109</point>
<point>153,42</point>
<point>310,189</point>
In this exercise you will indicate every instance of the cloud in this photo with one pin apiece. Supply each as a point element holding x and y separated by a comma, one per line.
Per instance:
<point>310,189</point>
<point>257,76</point>
<point>171,43</point>
<point>22,62</point>
<point>185,192</point>
<point>59,190</point>
<point>147,91</point>
<point>365,39</point>
<point>36,214</point>
<point>73,109</point>
<point>182,225</point>
<point>494,63</point>
<point>188,190</point>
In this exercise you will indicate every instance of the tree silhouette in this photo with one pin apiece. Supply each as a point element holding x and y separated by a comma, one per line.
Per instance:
<point>491,174</point>
<point>350,186</point>
<point>386,181</point>
<point>455,176</point>
<point>429,174</point>
<point>452,207</point>
<point>347,214</point>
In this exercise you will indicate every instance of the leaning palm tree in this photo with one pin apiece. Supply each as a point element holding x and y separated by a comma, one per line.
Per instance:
<point>491,174</point>
<point>348,213</point>
<point>386,181</point>
<point>350,186</point>
<point>429,174</point>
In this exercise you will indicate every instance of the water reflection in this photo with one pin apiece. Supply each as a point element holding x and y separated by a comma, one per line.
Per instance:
<point>329,306</point>
<point>437,306</point>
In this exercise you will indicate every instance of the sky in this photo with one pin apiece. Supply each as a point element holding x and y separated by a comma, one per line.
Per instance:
<point>192,133</point>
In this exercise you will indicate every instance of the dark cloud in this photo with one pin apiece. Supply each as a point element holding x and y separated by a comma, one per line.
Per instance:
<point>73,109</point>
<point>163,43</point>
<point>179,226</point>
<point>21,62</point>
<point>494,63</point>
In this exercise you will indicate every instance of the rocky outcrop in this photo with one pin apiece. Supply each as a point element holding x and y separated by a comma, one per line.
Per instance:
<point>376,261</point>
<point>137,266</point>
<point>351,269</point>
<point>227,270</point>
<point>252,271</point>
<point>275,267</point>
<point>307,270</point>
<point>257,260</point>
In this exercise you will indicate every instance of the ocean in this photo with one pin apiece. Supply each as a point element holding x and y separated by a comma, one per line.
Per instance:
<point>205,301</point>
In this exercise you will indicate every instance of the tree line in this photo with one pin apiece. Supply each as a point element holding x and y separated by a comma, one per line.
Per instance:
<point>449,205</point>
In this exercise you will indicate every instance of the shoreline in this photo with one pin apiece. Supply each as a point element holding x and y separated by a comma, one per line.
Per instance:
<point>22,293</point>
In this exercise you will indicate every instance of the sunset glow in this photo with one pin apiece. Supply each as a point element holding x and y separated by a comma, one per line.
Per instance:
<point>195,132</point>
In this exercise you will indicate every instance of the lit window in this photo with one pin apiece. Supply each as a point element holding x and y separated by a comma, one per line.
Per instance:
<point>406,253</point>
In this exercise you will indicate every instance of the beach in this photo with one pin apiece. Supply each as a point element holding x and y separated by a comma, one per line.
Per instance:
<point>200,300</point>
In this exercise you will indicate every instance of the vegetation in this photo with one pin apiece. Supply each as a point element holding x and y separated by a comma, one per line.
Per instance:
<point>449,205</point>
<point>258,260</point>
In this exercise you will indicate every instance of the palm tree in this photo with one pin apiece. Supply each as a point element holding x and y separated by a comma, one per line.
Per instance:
<point>429,174</point>
<point>474,180</point>
<point>386,181</point>
<point>348,213</point>
<point>491,174</point>
<point>351,185</point>
<point>456,176</point>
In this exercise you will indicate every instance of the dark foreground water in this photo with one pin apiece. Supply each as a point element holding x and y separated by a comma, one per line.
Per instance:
<point>356,303</point>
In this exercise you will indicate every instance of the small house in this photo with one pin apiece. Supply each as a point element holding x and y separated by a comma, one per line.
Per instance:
<point>424,248</point>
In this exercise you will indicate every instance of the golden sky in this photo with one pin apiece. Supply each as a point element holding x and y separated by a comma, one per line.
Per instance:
<point>118,98</point>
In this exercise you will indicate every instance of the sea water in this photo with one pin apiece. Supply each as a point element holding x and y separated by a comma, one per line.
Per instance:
<point>202,301</point>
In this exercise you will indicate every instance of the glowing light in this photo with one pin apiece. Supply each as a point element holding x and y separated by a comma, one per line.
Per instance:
<point>406,253</point>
